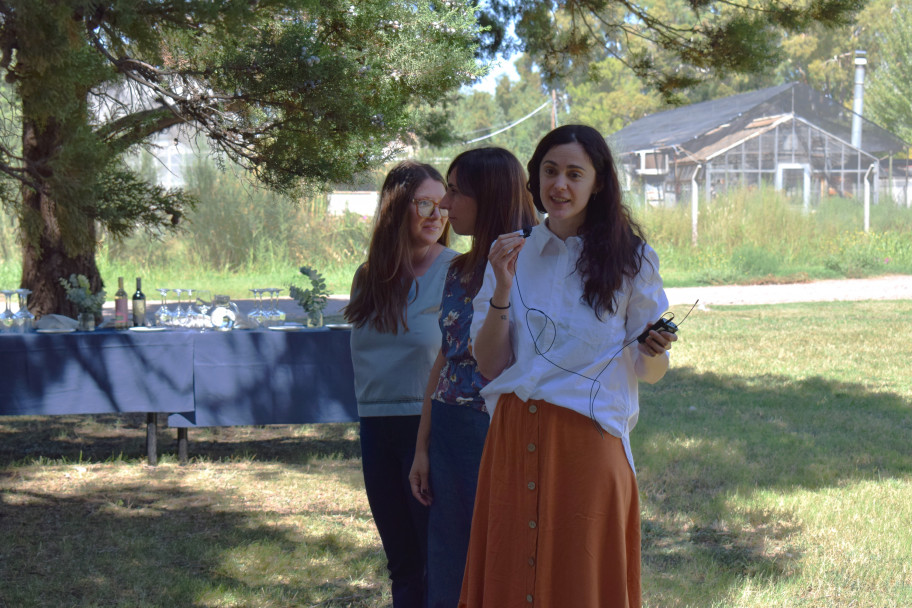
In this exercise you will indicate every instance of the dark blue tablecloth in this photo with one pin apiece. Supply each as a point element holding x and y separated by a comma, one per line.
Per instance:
<point>97,372</point>
<point>201,379</point>
<point>270,377</point>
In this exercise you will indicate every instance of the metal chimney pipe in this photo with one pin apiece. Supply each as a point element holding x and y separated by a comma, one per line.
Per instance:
<point>858,103</point>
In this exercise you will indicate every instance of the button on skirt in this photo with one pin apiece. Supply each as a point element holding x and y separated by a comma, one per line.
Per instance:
<point>557,520</point>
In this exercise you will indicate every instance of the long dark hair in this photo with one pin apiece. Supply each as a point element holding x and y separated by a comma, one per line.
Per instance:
<point>611,238</point>
<point>381,286</point>
<point>497,182</point>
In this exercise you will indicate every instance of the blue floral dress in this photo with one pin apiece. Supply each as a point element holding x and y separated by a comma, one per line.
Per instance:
<point>460,381</point>
<point>459,426</point>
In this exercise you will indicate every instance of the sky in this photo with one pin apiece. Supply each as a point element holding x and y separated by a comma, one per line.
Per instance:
<point>499,68</point>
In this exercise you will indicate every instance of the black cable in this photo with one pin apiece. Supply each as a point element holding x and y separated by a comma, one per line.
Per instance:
<point>596,385</point>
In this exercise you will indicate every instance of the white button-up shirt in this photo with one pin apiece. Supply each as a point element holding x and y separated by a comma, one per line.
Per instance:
<point>549,316</point>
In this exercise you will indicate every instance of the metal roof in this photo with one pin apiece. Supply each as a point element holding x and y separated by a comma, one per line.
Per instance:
<point>720,118</point>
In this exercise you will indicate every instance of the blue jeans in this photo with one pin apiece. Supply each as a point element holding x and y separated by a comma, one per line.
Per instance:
<point>387,451</point>
<point>457,440</point>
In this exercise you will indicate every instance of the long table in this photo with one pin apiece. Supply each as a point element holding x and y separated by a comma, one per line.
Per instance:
<point>242,377</point>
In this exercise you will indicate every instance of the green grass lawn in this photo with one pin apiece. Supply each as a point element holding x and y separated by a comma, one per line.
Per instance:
<point>774,460</point>
<point>774,463</point>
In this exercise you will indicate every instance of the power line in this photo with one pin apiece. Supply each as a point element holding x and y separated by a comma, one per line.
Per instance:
<point>510,126</point>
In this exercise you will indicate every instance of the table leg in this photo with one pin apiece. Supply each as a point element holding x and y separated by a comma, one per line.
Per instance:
<point>152,438</point>
<point>182,445</point>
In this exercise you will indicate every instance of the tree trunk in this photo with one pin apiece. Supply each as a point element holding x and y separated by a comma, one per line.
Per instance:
<point>46,258</point>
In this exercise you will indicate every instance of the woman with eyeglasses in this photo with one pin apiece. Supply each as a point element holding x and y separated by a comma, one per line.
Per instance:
<point>395,300</point>
<point>486,196</point>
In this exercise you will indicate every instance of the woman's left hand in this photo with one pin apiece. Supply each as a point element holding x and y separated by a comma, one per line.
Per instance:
<point>657,342</point>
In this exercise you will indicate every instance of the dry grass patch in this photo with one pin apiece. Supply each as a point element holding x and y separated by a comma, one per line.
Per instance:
<point>238,531</point>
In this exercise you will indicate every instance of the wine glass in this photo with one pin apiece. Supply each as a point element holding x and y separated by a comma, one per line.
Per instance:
<point>23,320</point>
<point>179,316</point>
<point>163,315</point>
<point>257,317</point>
<point>188,314</point>
<point>277,316</point>
<point>204,304</point>
<point>6,317</point>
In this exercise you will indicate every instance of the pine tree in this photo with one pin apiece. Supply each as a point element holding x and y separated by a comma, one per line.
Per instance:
<point>670,44</point>
<point>300,92</point>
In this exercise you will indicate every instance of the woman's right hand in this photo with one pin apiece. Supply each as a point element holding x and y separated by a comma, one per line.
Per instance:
<point>502,256</point>
<point>420,478</point>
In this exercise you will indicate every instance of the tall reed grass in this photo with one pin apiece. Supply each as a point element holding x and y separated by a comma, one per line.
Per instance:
<point>755,236</point>
<point>241,236</point>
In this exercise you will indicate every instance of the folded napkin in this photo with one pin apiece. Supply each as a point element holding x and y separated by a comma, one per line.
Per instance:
<point>242,322</point>
<point>56,322</point>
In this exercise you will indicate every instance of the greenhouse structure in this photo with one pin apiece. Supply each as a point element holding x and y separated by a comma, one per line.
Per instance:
<point>789,137</point>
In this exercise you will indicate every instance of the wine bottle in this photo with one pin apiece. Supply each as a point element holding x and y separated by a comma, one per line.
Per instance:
<point>139,305</point>
<point>120,306</point>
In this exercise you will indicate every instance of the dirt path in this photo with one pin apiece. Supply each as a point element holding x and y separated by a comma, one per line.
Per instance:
<point>893,287</point>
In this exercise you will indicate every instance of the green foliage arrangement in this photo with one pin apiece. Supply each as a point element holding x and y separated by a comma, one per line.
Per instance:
<point>312,300</point>
<point>79,292</point>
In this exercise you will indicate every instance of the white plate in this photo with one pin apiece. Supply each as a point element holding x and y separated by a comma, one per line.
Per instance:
<point>56,330</point>
<point>144,329</point>
<point>285,327</point>
<point>338,326</point>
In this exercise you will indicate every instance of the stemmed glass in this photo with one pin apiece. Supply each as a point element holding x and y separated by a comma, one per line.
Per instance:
<point>163,315</point>
<point>179,316</point>
<point>203,304</point>
<point>258,316</point>
<point>23,320</point>
<point>189,314</point>
<point>6,317</point>
<point>277,316</point>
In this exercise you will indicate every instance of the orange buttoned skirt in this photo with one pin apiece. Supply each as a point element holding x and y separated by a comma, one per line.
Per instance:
<point>557,519</point>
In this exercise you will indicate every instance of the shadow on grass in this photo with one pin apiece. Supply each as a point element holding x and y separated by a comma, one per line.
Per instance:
<point>704,441</point>
<point>137,545</point>
<point>105,437</point>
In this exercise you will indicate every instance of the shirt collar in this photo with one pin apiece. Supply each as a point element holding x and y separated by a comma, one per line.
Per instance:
<point>542,237</point>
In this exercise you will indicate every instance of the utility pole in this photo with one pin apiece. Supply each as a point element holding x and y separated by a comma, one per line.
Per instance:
<point>553,109</point>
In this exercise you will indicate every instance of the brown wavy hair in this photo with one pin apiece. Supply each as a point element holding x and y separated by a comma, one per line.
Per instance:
<point>381,285</point>
<point>612,240</point>
<point>497,182</point>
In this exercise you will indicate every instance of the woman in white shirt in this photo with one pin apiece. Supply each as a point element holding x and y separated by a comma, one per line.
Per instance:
<point>555,329</point>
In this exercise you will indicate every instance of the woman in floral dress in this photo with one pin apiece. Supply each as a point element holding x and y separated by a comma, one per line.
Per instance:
<point>486,196</point>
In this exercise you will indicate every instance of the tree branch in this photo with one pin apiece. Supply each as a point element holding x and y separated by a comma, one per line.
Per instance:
<point>135,127</point>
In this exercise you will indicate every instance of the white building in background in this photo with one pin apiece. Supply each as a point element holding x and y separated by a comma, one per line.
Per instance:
<point>172,153</point>
<point>362,202</point>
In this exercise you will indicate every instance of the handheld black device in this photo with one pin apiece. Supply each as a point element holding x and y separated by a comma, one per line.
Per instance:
<point>526,232</point>
<point>662,324</point>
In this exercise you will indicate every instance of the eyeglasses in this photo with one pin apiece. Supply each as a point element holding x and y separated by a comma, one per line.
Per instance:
<point>426,206</point>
